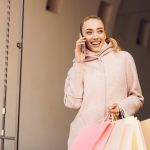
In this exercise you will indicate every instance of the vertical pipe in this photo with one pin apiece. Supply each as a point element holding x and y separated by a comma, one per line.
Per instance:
<point>20,55</point>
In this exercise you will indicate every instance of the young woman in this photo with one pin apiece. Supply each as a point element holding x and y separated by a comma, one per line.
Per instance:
<point>103,79</point>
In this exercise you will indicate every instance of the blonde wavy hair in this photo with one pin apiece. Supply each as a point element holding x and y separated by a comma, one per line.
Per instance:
<point>108,39</point>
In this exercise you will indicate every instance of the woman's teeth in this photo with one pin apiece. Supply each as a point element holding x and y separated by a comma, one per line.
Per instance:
<point>95,43</point>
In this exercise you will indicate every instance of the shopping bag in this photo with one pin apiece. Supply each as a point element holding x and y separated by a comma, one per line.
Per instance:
<point>114,139</point>
<point>126,139</point>
<point>138,142</point>
<point>126,135</point>
<point>132,138</point>
<point>89,137</point>
<point>102,140</point>
<point>145,125</point>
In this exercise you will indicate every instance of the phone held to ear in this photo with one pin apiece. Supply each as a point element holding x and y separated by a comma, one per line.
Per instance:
<point>83,47</point>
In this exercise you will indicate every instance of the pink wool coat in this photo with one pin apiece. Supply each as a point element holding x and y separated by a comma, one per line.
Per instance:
<point>94,85</point>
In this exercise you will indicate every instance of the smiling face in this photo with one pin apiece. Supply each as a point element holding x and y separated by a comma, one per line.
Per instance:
<point>93,31</point>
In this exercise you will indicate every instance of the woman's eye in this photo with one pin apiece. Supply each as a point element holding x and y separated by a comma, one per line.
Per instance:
<point>100,31</point>
<point>89,32</point>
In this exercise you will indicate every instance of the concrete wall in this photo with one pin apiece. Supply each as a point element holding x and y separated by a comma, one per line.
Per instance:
<point>49,40</point>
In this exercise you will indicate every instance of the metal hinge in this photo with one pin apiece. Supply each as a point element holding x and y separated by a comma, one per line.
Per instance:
<point>2,132</point>
<point>4,111</point>
<point>19,45</point>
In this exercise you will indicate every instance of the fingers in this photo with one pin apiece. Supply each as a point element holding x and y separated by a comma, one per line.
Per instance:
<point>80,41</point>
<point>113,106</point>
<point>80,49</point>
<point>114,110</point>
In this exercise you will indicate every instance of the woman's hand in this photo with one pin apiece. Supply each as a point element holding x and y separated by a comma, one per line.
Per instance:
<point>79,54</point>
<point>114,110</point>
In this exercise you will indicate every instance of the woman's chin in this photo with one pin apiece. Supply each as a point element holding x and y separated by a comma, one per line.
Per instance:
<point>95,49</point>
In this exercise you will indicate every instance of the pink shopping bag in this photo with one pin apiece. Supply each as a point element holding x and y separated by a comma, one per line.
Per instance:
<point>103,138</point>
<point>93,137</point>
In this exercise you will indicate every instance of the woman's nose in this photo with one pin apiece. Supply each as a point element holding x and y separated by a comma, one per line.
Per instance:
<point>95,36</point>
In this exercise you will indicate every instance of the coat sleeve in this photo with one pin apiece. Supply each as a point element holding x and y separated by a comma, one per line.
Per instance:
<point>74,87</point>
<point>134,100</point>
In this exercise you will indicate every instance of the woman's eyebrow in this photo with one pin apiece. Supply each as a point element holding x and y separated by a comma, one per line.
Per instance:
<point>97,29</point>
<point>100,28</point>
<point>89,29</point>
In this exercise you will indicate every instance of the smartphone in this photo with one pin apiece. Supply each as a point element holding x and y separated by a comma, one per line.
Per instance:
<point>83,47</point>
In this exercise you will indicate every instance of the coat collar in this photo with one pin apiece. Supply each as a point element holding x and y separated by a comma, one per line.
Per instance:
<point>106,48</point>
